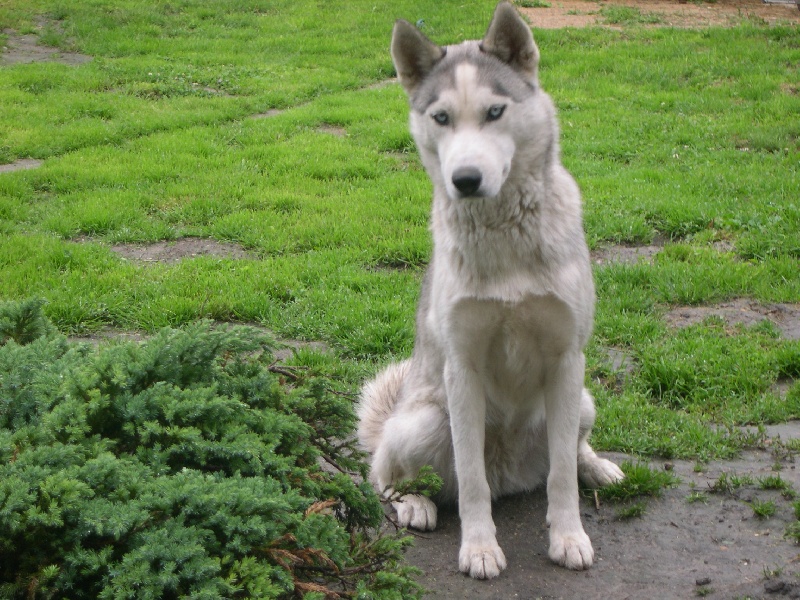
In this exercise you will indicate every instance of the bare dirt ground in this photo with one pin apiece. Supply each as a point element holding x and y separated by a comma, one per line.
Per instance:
<point>177,250</point>
<point>26,48</point>
<point>21,165</point>
<point>677,549</point>
<point>22,49</point>
<point>741,311</point>
<point>671,13</point>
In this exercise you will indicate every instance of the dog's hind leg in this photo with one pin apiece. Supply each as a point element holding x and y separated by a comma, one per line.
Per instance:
<point>411,440</point>
<point>593,471</point>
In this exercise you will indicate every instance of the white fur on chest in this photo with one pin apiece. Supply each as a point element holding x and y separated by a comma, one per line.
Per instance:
<point>508,341</point>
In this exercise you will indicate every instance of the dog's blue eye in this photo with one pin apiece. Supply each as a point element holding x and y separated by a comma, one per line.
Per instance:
<point>495,112</point>
<point>441,117</point>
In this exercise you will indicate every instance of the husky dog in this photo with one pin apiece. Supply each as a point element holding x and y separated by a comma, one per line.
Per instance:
<point>493,396</point>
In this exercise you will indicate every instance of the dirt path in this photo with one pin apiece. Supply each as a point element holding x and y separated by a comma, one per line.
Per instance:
<point>678,549</point>
<point>685,13</point>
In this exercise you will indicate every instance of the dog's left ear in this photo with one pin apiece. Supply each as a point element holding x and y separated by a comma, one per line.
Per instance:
<point>413,54</point>
<point>510,39</point>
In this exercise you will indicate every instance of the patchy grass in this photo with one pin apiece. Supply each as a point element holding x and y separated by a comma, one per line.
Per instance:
<point>632,511</point>
<point>629,15</point>
<point>640,481</point>
<point>728,483</point>
<point>533,3</point>
<point>763,509</point>
<point>793,532</point>
<point>776,482</point>
<point>695,496</point>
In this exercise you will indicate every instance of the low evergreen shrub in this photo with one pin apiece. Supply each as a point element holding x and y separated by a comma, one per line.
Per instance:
<point>180,467</point>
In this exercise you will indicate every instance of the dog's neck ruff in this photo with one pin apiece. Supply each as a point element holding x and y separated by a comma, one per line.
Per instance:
<point>512,210</point>
<point>490,236</point>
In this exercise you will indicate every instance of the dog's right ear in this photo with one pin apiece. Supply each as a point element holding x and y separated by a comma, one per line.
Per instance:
<point>413,55</point>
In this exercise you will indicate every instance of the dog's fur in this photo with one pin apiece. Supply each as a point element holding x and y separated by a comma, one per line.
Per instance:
<point>493,396</point>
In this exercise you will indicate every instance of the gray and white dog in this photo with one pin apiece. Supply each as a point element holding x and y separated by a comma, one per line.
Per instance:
<point>493,396</point>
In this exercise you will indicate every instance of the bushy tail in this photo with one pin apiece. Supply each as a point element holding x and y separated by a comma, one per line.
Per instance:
<point>376,404</point>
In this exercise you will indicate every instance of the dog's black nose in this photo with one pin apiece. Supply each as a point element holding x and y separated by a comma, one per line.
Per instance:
<point>467,180</point>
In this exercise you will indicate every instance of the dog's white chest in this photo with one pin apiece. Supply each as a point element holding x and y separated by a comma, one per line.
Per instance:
<point>509,342</point>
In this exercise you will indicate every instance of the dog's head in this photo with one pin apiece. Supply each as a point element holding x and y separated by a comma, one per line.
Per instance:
<point>472,105</point>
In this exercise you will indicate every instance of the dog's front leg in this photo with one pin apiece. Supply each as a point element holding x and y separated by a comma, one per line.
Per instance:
<point>480,555</point>
<point>569,545</point>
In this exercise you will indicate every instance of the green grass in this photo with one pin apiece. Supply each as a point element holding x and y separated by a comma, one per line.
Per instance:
<point>728,483</point>
<point>776,482</point>
<point>633,511</point>
<point>533,3</point>
<point>763,509</point>
<point>640,482</point>
<point>688,136</point>
<point>629,15</point>
<point>694,497</point>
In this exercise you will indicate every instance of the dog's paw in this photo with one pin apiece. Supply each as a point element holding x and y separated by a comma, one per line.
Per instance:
<point>596,472</point>
<point>481,561</point>
<point>573,551</point>
<point>417,512</point>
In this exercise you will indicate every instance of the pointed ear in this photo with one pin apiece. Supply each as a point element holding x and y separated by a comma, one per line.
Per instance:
<point>510,39</point>
<point>413,55</point>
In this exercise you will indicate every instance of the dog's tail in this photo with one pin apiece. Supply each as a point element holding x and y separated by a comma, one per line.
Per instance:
<point>376,405</point>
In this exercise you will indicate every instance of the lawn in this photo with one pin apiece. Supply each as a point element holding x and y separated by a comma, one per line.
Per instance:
<point>273,126</point>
